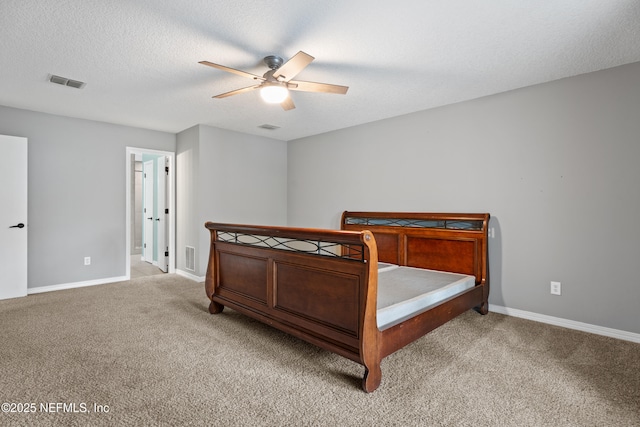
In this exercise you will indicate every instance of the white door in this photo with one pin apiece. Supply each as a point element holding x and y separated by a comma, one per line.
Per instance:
<point>13,217</point>
<point>149,217</point>
<point>162,214</point>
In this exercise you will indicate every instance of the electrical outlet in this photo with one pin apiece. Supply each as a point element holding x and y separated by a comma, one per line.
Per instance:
<point>87,260</point>
<point>556,288</point>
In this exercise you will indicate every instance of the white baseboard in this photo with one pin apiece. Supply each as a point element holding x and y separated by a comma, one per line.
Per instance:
<point>74,285</point>
<point>557,321</point>
<point>63,286</point>
<point>565,323</point>
<point>190,276</point>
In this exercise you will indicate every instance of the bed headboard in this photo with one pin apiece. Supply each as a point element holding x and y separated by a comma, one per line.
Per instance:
<point>452,242</point>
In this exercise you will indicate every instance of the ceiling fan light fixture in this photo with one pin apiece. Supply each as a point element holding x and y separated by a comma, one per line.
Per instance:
<point>274,85</point>
<point>274,93</point>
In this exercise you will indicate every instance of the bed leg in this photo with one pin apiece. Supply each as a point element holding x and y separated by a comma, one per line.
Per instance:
<point>483,308</point>
<point>215,308</point>
<point>372,378</point>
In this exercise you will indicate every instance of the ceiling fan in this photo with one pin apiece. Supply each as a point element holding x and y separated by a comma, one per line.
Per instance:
<point>276,83</point>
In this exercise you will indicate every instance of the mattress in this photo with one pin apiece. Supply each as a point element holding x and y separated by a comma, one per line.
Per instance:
<point>406,291</point>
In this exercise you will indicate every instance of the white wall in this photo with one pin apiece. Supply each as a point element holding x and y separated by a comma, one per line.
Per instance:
<point>77,193</point>
<point>226,176</point>
<point>554,164</point>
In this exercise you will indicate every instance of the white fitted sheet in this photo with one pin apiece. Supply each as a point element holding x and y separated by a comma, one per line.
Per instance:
<point>406,291</point>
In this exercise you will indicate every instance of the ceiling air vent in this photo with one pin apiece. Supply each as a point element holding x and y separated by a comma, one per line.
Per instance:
<point>269,127</point>
<point>66,82</point>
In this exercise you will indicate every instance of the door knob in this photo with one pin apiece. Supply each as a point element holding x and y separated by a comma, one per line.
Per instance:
<point>150,218</point>
<point>21,225</point>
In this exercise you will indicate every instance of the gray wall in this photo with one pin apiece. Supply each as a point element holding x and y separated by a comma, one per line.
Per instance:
<point>554,164</point>
<point>226,176</point>
<point>77,192</point>
<point>187,190</point>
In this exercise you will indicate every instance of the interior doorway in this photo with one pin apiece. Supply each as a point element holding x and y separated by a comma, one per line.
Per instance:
<point>150,212</point>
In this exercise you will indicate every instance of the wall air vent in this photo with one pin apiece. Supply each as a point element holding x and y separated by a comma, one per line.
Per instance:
<point>269,127</point>
<point>66,82</point>
<point>190,258</point>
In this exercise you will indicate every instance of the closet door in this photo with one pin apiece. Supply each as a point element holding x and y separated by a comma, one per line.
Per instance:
<point>13,217</point>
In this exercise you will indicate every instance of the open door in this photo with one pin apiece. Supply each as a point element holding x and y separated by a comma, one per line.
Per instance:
<point>162,214</point>
<point>148,211</point>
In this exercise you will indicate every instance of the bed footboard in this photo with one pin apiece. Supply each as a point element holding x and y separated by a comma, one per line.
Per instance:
<point>318,285</point>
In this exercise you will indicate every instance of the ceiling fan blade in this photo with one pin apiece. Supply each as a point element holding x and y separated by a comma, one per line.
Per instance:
<point>237,91</point>
<point>288,104</point>
<point>293,66</point>
<point>232,70</point>
<point>317,87</point>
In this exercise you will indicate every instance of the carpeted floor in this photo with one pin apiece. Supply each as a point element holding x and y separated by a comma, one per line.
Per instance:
<point>141,268</point>
<point>147,352</point>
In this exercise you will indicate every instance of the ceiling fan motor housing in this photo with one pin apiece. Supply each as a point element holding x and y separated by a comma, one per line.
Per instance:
<point>273,62</point>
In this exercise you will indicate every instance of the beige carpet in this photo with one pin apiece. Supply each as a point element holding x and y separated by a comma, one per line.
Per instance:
<point>148,351</point>
<point>141,268</point>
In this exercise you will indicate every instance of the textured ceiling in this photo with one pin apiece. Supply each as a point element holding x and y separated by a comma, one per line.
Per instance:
<point>139,58</point>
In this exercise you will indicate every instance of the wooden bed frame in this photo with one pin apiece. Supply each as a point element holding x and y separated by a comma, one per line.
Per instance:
<point>321,285</point>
